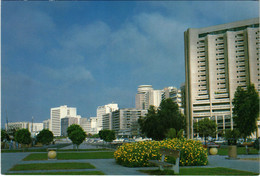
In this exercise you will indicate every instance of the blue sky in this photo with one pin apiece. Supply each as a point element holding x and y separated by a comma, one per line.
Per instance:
<point>86,54</point>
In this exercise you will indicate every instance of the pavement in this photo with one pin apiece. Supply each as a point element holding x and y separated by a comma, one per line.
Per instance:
<point>109,166</point>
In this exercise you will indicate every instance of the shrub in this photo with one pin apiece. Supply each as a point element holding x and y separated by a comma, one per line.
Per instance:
<point>137,154</point>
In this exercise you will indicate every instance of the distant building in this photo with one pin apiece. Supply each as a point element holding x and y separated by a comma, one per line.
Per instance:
<point>218,59</point>
<point>174,94</point>
<point>102,110</point>
<point>93,125</point>
<point>57,114</point>
<point>85,124</point>
<point>33,128</point>
<point>147,96</point>
<point>46,124</point>
<point>125,121</point>
<point>66,122</point>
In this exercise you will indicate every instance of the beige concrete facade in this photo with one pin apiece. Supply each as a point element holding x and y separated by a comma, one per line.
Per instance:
<point>218,59</point>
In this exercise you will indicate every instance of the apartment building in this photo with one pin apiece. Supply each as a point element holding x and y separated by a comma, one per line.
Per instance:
<point>147,96</point>
<point>93,125</point>
<point>57,114</point>
<point>32,127</point>
<point>172,93</point>
<point>125,121</point>
<point>102,110</point>
<point>218,59</point>
<point>66,122</point>
<point>85,124</point>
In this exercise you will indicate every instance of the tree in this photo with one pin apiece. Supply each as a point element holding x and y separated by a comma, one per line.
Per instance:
<point>45,137</point>
<point>4,136</point>
<point>76,134</point>
<point>156,123</point>
<point>207,128</point>
<point>232,136</point>
<point>173,134</point>
<point>23,136</point>
<point>107,135</point>
<point>72,128</point>
<point>246,110</point>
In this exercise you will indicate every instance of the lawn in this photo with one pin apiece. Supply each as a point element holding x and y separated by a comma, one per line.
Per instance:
<point>51,166</point>
<point>200,171</point>
<point>61,173</point>
<point>69,156</point>
<point>240,151</point>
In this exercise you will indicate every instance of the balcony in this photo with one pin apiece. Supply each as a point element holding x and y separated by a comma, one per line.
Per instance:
<point>202,97</point>
<point>199,108</point>
<point>226,100</point>
<point>221,107</point>
<point>200,101</point>
<point>225,95</point>
<point>201,114</point>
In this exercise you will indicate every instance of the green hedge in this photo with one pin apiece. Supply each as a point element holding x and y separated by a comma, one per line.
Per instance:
<point>137,154</point>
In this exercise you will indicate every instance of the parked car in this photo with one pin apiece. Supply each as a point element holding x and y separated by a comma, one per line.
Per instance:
<point>212,144</point>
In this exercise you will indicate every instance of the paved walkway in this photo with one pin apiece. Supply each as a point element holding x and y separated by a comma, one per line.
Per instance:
<point>109,166</point>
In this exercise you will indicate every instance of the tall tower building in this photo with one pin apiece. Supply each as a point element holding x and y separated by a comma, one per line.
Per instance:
<point>102,110</point>
<point>142,98</point>
<point>147,96</point>
<point>57,114</point>
<point>218,59</point>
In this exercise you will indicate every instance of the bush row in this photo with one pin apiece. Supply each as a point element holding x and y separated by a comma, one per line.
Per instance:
<point>137,154</point>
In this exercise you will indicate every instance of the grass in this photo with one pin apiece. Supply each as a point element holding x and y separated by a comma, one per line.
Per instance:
<point>61,173</point>
<point>200,171</point>
<point>69,156</point>
<point>51,166</point>
<point>240,151</point>
<point>45,150</point>
<point>250,159</point>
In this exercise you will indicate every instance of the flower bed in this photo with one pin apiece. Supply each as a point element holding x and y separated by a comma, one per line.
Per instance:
<point>137,154</point>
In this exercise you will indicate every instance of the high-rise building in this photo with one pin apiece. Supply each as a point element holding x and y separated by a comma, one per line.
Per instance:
<point>85,124</point>
<point>66,122</point>
<point>102,110</point>
<point>218,59</point>
<point>93,125</point>
<point>147,96</point>
<point>46,124</point>
<point>125,121</point>
<point>172,93</point>
<point>57,114</point>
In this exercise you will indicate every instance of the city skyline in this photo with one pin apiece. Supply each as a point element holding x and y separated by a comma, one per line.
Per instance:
<point>88,54</point>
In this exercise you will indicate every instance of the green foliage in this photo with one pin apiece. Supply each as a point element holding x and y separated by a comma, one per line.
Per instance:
<point>23,136</point>
<point>157,122</point>
<point>72,128</point>
<point>107,135</point>
<point>246,110</point>
<point>45,137</point>
<point>76,134</point>
<point>171,133</point>
<point>4,135</point>
<point>137,154</point>
<point>207,128</point>
<point>232,134</point>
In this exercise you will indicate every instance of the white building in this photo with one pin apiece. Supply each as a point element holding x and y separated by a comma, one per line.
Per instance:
<point>46,124</point>
<point>173,93</point>
<point>66,122</point>
<point>57,114</point>
<point>102,110</point>
<point>125,121</point>
<point>85,124</point>
<point>93,125</point>
<point>218,59</point>
<point>147,96</point>
<point>33,128</point>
